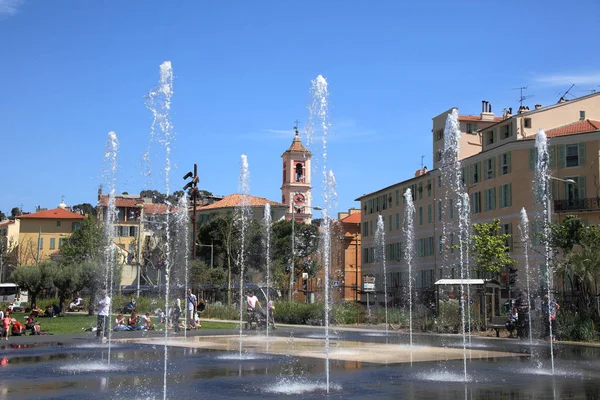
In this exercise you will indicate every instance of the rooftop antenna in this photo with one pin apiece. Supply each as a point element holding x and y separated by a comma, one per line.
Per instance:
<point>296,123</point>
<point>521,97</point>
<point>591,91</point>
<point>422,157</point>
<point>566,93</point>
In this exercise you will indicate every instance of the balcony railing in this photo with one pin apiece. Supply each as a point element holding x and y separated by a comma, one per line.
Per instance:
<point>576,205</point>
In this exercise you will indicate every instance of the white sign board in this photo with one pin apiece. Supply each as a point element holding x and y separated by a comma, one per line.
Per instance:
<point>368,287</point>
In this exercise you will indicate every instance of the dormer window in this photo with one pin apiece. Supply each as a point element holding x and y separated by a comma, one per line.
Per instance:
<point>491,137</point>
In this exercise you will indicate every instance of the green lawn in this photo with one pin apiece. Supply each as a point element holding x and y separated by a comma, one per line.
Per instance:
<point>73,323</point>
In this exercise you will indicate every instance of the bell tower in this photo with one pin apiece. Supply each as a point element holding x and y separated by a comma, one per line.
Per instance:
<point>295,189</point>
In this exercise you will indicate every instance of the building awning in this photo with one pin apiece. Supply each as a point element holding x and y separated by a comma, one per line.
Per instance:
<point>480,282</point>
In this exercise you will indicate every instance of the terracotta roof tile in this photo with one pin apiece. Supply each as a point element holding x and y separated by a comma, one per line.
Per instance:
<point>155,208</point>
<point>56,213</point>
<point>574,128</point>
<point>352,218</point>
<point>235,200</point>
<point>6,223</point>
<point>476,118</point>
<point>297,146</point>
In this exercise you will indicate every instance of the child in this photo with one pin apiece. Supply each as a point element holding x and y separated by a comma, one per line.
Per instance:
<point>6,323</point>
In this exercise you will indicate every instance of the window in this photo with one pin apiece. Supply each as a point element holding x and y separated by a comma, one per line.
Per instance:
<point>451,208</point>
<point>463,176</point>
<point>490,137</point>
<point>61,241</point>
<point>429,213</point>
<point>58,223</point>
<point>439,210</point>
<point>452,243</point>
<point>507,230</point>
<point>506,131</point>
<point>439,134</point>
<point>505,196</point>
<point>572,159</point>
<point>575,192</point>
<point>52,243</point>
<point>440,244</point>
<point>132,231</point>
<point>429,188</point>
<point>527,122</point>
<point>439,181</point>
<point>439,155</point>
<point>420,215</point>
<point>582,115</point>
<point>75,225</point>
<point>475,202</point>
<point>41,243</point>
<point>389,223</point>
<point>365,229</point>
<point>420,190</point>
<point>469,128</point>
<point>397,197</point>
<point>475,173</point>
<point>489,168</point>
<point>504,161</point>
<point>490,199</point>
<point>397,221</point>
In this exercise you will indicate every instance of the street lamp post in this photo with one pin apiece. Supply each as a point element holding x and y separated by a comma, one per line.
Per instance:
<point>294,249</point>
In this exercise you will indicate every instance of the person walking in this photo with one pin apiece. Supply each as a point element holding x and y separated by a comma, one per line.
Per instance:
<point>103,313</point>
<point>192,306</point>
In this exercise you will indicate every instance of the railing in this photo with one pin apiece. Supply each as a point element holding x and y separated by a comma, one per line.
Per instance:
<point>576,205</point>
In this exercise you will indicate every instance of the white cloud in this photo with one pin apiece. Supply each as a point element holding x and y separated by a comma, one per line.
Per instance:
<point>577,79</point>
<point>10,7</point>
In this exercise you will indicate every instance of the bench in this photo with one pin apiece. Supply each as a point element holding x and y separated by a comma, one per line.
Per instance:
<point>497,323</point>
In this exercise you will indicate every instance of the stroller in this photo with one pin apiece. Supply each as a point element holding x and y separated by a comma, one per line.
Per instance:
<point>257,318</point>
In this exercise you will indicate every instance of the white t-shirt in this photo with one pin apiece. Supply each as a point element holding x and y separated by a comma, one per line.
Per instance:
<point>252,301</point>
<point>191,301</point>
<point>103,306</point>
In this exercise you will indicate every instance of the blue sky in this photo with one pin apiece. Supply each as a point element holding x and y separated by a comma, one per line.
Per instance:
<point>74,70</point>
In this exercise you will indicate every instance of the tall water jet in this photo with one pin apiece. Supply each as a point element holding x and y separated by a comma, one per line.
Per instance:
<point>158,101</point>
<point>242,218</point>
<point>182,249</point>
<point>319,121</point>
<point>110,173</point>
<point>267,244</point>
<point>463,215</point>
<point>543,196</point>
<point>524,232</point>
<point>409,252</point>
<point>380,250</point>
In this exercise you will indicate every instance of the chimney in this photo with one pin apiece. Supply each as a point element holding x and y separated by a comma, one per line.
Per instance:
<point>425,170</point>
<point>538,106</point>
<point>487,114</point>
<point>482,106</point>
<point>510,110</point>
<point>418,172</point>
<point>522,109</point>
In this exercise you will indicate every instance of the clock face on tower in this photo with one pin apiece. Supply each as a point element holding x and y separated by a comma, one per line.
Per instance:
<point>298,198</point>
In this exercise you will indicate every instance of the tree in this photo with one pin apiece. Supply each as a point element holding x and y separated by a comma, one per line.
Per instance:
<point>2,216</point>
<point>490,248</point>
<point>203,274</point>
<point>15,212</point>
<point>66,278</point>
<point>85,244</point>
<point>33,278</point>
<point>85,209</point>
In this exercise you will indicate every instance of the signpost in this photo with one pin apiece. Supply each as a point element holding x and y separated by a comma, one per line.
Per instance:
<point>368,286</point>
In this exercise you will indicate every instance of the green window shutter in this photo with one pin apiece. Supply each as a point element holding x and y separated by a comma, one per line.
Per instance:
<point>493,167</point>
<point>551,150</point>
<point>508,161</point>
<point>486,203</point>
<point>581,154</point>
<point>470,174</point>
<point>485,169</point>
<point>479,173</point>
<point>581,187</point>
<point>509,188</point>
<point>561,156</point>
<point>493,198</point>
<point>532,158</point>
<point>500,164</point>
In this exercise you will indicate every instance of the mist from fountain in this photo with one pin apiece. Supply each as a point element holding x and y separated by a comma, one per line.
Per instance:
<point>409,252</point>
<point>543,196</point>
<point>110,176</point>
<point>242,219</point>
<point>524,233</point>
<point>380,251</point>
<point>319,122</point>
<point>158,101</point>
<point>267,245</point>
<point>463,218</point>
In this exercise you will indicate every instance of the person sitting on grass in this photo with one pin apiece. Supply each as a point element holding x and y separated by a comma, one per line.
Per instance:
<point>17,328</point>
<point>76,303</point>
<point>32,326</point>
<point>120,324</point>
<point>132,322</point>
<point>147,322</point>
<point>37,312</point>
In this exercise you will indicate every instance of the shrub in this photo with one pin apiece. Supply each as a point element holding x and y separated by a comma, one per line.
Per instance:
<point>299,313</point>
<point>220,311</point>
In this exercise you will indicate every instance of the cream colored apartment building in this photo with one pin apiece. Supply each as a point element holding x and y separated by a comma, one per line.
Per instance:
<point>497,162</point>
